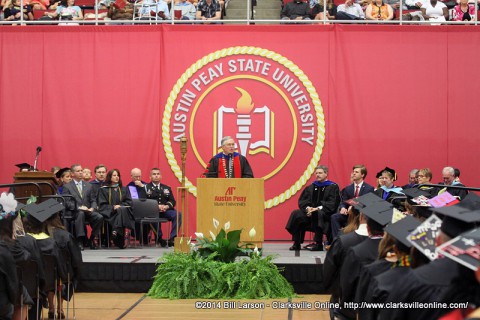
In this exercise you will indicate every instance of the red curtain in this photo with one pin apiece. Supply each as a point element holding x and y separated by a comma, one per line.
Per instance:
<point>402,96</point>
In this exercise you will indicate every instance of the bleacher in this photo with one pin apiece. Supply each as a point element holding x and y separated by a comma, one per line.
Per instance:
<point>246,13</point>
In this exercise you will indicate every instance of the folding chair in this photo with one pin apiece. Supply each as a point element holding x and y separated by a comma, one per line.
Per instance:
<point>27,272</point>
<point>145,211</point>
<point>67,281</point>
<point>50,264</point>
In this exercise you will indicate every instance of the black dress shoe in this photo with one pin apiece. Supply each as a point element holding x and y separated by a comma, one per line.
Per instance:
<point>309,245</point>
<point>80,245</point>
<point>93,246</point>
<point>316,247</point>
<point>295,247</point>
<point>162,243</point>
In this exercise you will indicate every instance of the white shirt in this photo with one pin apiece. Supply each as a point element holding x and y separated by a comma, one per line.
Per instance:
<point>354,9</point>
<point>359,187</point>
<point>362,230</point>
<point>436,11</point>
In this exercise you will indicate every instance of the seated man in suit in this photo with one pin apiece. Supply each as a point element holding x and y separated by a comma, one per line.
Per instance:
<point>83,208</point>
<point>358,188</point>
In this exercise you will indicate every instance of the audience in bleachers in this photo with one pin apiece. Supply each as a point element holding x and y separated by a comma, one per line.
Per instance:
<point>435,11</point>
<point>147,9</point>
<point>317,10</point>
<point>13,11</point>
<point>208,10</point>
<point>464,12</point>
<point>379,10</point>
<point>350,11</point>
<point>296,10</point>
<point>184,10</point>
<point>67,10</point>
<point>121,10</point>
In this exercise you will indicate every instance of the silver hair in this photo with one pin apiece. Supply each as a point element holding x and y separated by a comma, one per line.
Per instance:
<point>225,139</point>
<point>449,170</point>
<point>324,168</point>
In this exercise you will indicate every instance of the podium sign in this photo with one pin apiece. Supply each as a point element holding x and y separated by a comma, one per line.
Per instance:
<point>240,201</point>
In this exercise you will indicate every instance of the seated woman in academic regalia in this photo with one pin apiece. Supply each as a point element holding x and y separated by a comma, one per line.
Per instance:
<point>388,190</point>
<point>63,176</point>
<point>115,205</point>
<point>71,259</point>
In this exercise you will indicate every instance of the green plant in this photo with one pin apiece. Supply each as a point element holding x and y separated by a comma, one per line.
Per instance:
<point>184,276</point>
<point>225,246</point>
<point>189,276</point>
<point>211,271</point>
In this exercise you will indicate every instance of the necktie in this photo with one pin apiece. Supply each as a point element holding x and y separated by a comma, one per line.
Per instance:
<point>356,191</point>
<point>79,187</point>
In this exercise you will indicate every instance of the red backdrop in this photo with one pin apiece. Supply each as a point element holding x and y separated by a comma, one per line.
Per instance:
<point>402,96</point>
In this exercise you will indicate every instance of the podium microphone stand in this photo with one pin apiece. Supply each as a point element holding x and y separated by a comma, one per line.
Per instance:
<point>181,241</point>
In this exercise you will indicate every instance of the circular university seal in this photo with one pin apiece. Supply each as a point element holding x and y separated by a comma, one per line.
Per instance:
<point>261,99</point>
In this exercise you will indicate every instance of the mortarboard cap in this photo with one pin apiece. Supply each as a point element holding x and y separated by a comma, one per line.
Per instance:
<point>468,210</point>
<point>413,193</point>
<point>20,206</point>
<point>461,217</point>
<point>364,201</point>
<point>424,236</point>
<point>394,174</point>
<point>471,201</point>
<point>380,212</point>
<point>464,249</point>
<point>419,200</point>
<point>39,213</point>
<point>24,165</point>
<point>60,172</point>
<point>402,228</point>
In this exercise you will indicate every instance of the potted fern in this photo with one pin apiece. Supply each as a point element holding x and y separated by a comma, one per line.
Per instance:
<point>211,270</point>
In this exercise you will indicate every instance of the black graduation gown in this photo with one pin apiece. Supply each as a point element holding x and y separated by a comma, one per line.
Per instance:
<point>314,196</point>
<point>464,288</point>
<point>367,284</point>
<point>381,193</point>
<point>20,254</point>
<point>432,191</point>
<point>457,192</point>
<point>334,260</point>
<point>70,254</point>
<point>121,218</point>
<point>9,285</point>
<point>427,283</point>
<point>49,246</point>
<point>357,258</point>
<point>30,244</point>
<point>246,170</point>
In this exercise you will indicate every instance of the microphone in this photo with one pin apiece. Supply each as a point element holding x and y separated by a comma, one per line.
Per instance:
<point>36,158</point>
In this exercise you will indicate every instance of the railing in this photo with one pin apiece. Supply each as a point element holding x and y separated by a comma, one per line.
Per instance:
<point>250,20</point>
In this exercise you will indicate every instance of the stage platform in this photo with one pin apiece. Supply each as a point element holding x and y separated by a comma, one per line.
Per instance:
<point>132,269</point>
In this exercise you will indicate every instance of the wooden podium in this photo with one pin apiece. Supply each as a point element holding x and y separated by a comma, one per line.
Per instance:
<point>240,201</point>
<point>46,180</point>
